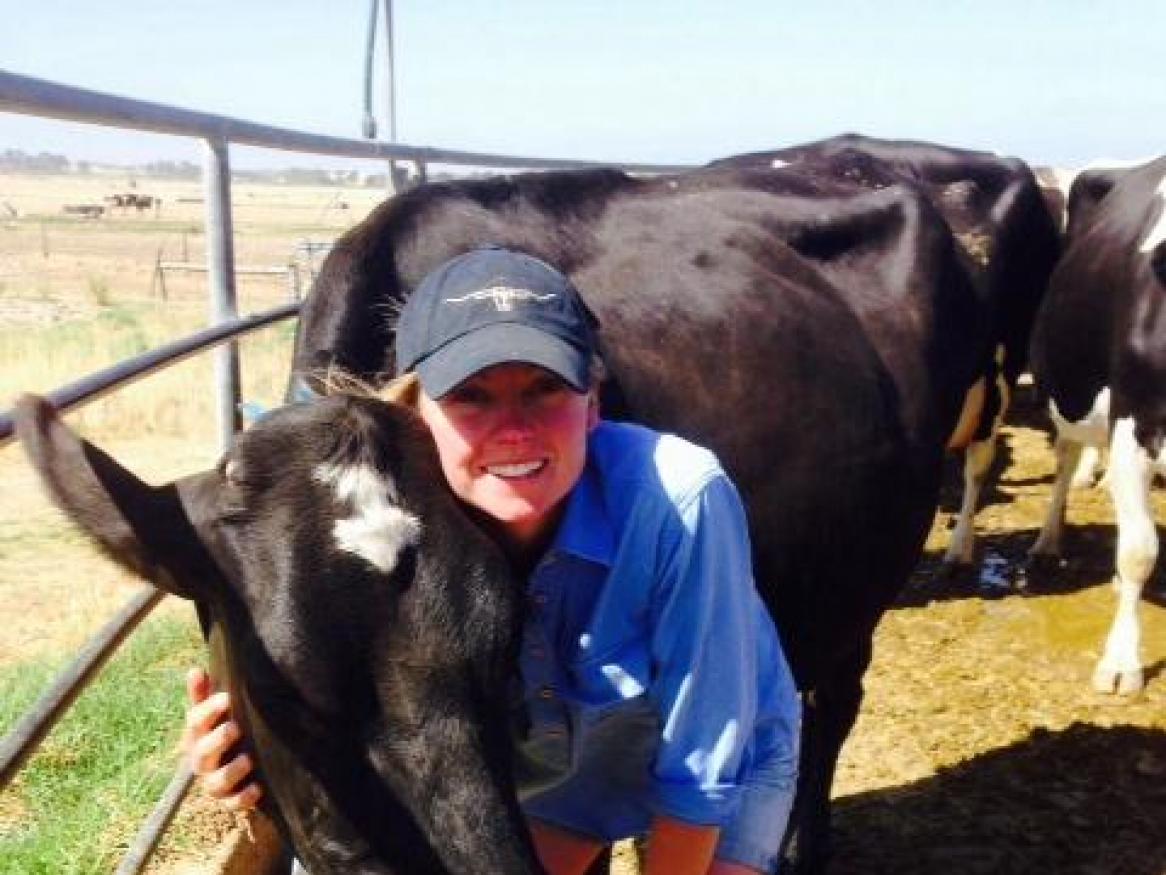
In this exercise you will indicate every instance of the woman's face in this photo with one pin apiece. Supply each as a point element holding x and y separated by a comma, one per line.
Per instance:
<point>513,441</point>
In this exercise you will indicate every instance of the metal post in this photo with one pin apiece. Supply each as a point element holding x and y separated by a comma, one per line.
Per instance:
<point>390,97</point>
<point>368,125</point>
<point>220,258</point>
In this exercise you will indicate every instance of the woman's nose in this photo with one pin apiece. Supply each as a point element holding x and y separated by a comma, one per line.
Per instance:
<point>515,422</point>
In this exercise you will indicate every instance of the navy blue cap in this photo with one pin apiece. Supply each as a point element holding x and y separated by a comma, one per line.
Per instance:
<point>489,306</point>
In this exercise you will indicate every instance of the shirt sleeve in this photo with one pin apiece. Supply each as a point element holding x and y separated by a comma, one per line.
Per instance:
<point>705,653</point>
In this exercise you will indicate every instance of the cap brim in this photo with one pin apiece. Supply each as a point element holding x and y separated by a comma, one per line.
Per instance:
<point>499,343</point>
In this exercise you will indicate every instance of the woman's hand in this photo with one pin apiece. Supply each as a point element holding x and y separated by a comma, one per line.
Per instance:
<point>206,738</point>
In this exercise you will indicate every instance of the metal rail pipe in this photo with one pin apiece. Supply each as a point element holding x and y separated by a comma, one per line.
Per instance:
<point>148,837</point>
<point>40,97</point>
<point>19,744</point>
<point>220,262</point>
<point>93,386</point>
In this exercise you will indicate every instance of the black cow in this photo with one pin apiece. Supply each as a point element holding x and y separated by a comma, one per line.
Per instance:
<point>369,629</point>
<point>818,337</point>
<point>1099,357</point>
<point>996,209</point>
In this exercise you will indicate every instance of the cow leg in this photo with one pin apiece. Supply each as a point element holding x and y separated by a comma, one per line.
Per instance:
<point>977,461</point>
<point>1085,474</point>
<point>1048,542</point>
<point>1130,473</point>
<point>828,715</point>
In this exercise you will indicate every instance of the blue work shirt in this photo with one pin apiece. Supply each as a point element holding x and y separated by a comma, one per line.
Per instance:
<point>653,681</point>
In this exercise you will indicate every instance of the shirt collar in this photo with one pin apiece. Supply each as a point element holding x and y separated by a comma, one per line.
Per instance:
<point>586,528</point>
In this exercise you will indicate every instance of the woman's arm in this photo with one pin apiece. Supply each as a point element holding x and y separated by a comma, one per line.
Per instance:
<point>207,736</point>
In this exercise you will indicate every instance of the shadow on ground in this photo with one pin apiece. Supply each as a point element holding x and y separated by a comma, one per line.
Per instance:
<point>1084,801</point>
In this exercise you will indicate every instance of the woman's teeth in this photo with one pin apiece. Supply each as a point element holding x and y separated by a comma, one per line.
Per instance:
<point>519,469</point>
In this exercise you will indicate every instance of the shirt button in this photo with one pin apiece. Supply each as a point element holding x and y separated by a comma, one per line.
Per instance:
<point>546,693</point>
<point>538,652</point>
<point>539,598</point>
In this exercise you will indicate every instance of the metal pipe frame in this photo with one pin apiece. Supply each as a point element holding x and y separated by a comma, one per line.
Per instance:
<point>41,97</point>
<point>96,385</point>
<point>19,744</point>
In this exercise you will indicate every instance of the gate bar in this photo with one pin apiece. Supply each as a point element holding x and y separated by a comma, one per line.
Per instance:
<point>41,97</point>
<point>220,261</point>
<point>151,832</point>
<point>94,386</point>
<point>27,735</point>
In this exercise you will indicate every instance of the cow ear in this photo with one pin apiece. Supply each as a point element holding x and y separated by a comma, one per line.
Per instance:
<point>143,528</point>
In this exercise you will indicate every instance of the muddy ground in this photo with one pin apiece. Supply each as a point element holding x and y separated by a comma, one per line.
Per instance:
<point>981,747</point>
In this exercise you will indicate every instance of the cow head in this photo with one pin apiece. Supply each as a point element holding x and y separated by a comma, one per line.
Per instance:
<point>369,628</point>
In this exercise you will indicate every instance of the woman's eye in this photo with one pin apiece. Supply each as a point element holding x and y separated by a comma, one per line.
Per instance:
<point>470,396</point>
<point>547,391</point>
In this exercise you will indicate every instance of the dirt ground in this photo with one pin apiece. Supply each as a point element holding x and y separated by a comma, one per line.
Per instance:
<point>981,747</point>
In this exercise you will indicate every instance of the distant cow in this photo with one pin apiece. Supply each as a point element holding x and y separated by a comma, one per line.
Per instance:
<point>996,210</point>
<point>85,211</point>
<point>143,202</point>
<point>130,199</point>
<point>819,337</point>
<point>1099,357</point>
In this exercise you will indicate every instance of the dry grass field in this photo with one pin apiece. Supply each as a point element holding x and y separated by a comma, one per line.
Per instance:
<point>980,749</point>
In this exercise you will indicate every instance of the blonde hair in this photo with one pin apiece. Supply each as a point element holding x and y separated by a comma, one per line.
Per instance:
<point>404,390</point>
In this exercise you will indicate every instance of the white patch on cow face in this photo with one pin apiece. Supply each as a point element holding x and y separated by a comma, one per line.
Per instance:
<point>1157,233</point>
<point>777,164</point>
<point>378,529</point>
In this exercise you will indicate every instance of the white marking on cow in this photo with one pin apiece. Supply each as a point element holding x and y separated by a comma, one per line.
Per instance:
<point>777,163</point>
<point>977,462</point>
<point>1086,472</point>
<point>378,529</point>
<point>1131,471</point>
<point>1091,430</point>
<point>1157,233</point>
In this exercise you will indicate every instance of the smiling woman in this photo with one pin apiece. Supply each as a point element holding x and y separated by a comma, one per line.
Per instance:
<point>631,717</point>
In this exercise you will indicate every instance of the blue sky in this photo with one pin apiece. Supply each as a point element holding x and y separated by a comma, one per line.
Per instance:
<point>640,80</point>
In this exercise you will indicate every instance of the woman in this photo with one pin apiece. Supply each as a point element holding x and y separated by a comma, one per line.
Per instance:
<point>654,697</point>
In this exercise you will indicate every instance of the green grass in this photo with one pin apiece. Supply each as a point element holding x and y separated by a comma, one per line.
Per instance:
<point>83,796</point>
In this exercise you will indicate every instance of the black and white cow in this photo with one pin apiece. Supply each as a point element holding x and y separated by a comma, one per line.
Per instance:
<point>1099,356</point>
<point>369,629</point>
<point>996,209</point>
<point>820,338</point>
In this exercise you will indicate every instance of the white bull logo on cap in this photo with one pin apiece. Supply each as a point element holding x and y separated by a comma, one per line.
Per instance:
<point>502,296</point>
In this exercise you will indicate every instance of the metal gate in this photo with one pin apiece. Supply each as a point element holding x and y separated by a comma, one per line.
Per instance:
<point>28,96</point>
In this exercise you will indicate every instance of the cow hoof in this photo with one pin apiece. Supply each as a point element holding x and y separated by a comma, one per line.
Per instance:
<point>1124,683</point>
